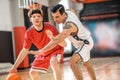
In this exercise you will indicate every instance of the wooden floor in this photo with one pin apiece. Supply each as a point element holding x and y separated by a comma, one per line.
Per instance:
<point>105,69</point>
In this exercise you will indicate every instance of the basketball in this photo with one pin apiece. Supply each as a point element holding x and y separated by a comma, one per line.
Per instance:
<point>13,76</point>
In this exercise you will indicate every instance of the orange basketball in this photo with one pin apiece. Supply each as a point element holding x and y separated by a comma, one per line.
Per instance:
<point>13,76</point>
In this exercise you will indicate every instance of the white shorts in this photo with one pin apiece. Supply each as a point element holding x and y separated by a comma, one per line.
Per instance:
<point>84,50</point>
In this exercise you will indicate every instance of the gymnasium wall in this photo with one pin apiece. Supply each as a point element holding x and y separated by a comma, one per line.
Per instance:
<point>6,47</point>
<point>10,16</point>
<point>5,18</point>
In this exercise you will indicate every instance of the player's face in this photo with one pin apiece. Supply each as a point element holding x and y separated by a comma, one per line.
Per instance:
<point>36,19</point>
<point>57,17</point>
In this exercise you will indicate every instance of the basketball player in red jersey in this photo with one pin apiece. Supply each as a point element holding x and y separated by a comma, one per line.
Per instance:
<point>39,34</point>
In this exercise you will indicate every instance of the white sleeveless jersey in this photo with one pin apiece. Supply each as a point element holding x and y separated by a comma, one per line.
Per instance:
<point>82,33</point>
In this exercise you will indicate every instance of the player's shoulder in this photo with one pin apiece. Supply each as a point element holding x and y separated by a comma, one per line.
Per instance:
<point>30,29</point>
<point>51,27</point>
<point>70,10</point>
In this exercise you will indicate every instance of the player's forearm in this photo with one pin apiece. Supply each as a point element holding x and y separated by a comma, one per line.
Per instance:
<point>63,43</point>
<point>20,58</point>
<point>50,45</point>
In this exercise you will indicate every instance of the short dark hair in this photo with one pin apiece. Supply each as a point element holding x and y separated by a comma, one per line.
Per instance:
<point>58,7</point>
<point>33,11</point>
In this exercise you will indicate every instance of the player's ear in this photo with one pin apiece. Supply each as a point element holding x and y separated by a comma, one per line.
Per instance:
<point>64,14</point>
<point>42,18</point>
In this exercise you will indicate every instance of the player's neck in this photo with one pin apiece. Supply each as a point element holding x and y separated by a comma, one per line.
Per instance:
<point>39,27</point>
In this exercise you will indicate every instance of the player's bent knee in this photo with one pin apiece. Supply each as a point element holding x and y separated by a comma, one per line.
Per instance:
<point>86,63</point>
<point>53,62</point>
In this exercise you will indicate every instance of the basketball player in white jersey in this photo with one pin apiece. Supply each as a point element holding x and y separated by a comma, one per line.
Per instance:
<point>78,35</point>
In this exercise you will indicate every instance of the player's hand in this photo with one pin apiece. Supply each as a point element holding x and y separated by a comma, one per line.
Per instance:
<point>12,70</point>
